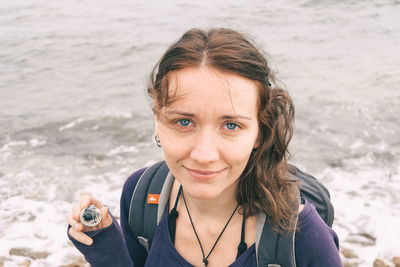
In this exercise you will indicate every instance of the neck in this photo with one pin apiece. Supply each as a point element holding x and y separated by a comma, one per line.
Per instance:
<point>218,208</point>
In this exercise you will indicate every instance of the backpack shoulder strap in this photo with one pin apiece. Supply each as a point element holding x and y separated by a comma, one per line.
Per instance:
<point>148,202</point>
<point>316,193</point>
<point>272,248</point>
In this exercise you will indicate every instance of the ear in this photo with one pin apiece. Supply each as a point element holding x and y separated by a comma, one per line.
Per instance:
<point>156,124</point>
<point>257,142</point>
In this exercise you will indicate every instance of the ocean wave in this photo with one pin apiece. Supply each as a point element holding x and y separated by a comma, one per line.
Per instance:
<point>366,208</point>
<point>11,144</point>
<point>71,124</point>
<point>123,150</point>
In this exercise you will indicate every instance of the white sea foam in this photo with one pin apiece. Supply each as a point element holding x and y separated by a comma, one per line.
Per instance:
<point>346,98</point>
<point>11,144</point>
<point>123,149</point>
<point>70,125</point>
<point>37,142</point>
<point>118,114</point>
<point>364,204</point>
<point>39,226</point>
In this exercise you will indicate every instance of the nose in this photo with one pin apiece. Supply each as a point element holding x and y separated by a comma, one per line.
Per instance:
<point>205,148</point>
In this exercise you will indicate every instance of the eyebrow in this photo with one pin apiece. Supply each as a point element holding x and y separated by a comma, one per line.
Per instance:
<point>229,117</point>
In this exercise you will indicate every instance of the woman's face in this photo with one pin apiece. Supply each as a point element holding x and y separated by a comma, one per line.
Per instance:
<point>209,131</point>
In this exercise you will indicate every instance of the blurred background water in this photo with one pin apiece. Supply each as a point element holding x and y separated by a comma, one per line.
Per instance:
<point>74,117</point>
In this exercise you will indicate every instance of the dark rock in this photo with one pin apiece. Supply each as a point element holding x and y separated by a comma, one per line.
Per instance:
<point>26,252</point>
<point>350,264</point>
<point>396,261</point>
<point>78,263</point>
<point>363,239</point>
<point>369,236</point>
<point>25,263</point>
<point>31,217</point>
<point>348,253</point>
<point>380,263</point>
<point>3,259</point>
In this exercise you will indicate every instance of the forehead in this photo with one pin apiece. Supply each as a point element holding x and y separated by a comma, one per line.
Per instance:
<point>211,88</point>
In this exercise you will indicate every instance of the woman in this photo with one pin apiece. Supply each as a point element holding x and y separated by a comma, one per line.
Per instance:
<point>224,127</point>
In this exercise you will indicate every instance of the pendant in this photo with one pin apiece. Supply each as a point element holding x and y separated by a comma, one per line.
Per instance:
<point>91,216</point>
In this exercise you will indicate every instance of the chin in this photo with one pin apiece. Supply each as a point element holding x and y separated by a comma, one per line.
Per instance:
<point>202,192</point>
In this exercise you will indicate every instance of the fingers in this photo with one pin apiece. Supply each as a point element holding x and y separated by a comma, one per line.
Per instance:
<point>104,213</point>
<point>76,211</point>
<point>85,201</point>
<point>75,223</point>
<point>80,237</point>
<point>106,219</point>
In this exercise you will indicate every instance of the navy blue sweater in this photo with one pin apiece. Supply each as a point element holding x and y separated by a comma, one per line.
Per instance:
<point>316,244</point>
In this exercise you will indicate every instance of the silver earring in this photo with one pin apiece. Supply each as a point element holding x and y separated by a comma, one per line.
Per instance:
<point>157,139</point>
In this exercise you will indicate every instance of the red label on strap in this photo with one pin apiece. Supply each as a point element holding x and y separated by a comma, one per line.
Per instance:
<point>153,198</point>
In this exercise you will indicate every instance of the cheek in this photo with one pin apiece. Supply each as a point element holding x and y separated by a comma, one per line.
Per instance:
<point>239,152</point>
<point>248,143</point>
<point>172,146</point>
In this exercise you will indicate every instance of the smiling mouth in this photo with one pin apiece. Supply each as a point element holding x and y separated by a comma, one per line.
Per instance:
<point>202,175</point>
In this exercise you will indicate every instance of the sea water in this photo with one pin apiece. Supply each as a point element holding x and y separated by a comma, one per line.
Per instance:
<point>74,117</point>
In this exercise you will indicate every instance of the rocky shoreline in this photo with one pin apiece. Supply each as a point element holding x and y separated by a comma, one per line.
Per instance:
<point>28,256</point>
<point>351,259</point>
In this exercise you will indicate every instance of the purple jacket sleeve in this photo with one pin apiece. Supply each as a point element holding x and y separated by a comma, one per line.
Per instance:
<point>108,248</point>
<point>319,243</point>
<point>113,246</point>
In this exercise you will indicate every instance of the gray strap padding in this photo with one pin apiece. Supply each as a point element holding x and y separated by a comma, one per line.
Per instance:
<point>143,215</point>
<point>261,217</point>
<point>164,196</point>
<point>272,248</point>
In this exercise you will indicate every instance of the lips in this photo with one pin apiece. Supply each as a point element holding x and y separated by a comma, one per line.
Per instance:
<point>202,174</point>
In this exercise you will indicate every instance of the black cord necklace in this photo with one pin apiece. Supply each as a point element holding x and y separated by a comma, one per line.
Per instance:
<point>205,261</point>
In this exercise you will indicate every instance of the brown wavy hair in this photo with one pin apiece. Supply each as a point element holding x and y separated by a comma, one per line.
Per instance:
<point>264,184</point>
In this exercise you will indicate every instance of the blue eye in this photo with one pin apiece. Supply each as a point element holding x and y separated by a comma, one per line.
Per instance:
<point>231,126</point>
<point>184,122</point>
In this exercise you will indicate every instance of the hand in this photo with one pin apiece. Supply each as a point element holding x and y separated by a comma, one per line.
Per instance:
<point>77,229</point>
